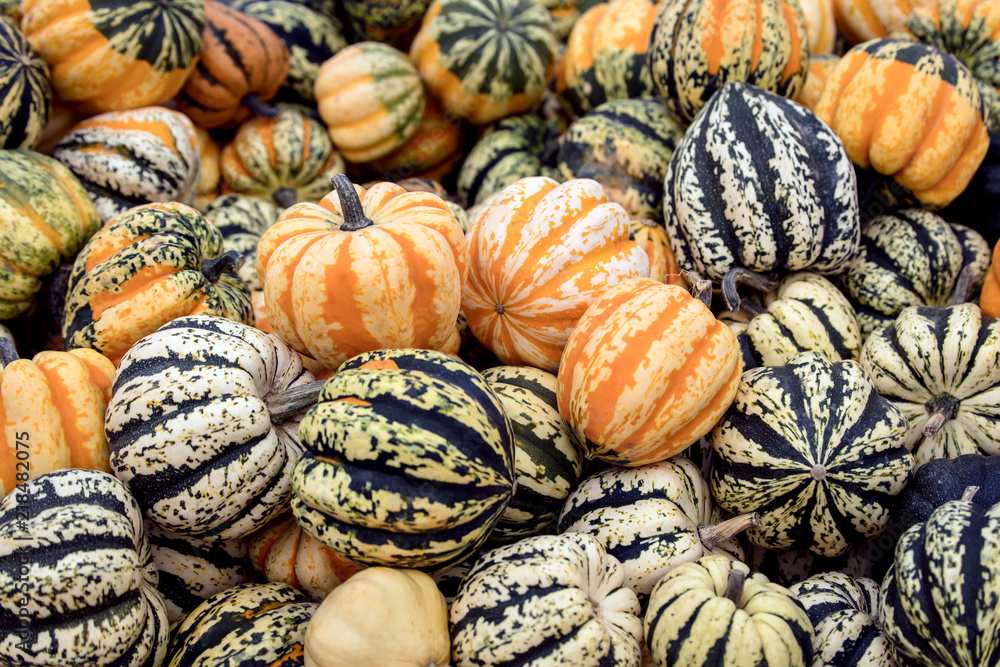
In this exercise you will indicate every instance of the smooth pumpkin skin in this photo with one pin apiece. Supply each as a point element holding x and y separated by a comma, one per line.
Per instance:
<point>386,616</point>
<point>989,298</point>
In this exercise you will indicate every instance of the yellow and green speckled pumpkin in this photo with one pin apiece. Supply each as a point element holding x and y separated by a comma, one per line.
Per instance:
<point>25,93</point>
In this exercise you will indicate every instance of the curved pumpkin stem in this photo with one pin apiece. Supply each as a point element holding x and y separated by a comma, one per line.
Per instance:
<point>350,205</point>
<point>942,408</point>
<point>734,587</point>
<point>711,535</point>
<point>288,403</point>
<point>751,307</point>
<point>260,108</point>
<point>969,492</point>
<point>285,197</point>
<point>214,267</point>
<point>8,352</point>
<point>963,286</point>
<point>740,276</point>
<point>701,287</point>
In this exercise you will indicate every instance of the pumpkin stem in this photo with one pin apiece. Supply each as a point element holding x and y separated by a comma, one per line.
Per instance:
<point>740,276</point>
<point>293,401</point>
<point>734,589</point>
<point>214,267</point>
<point>963,285</point>
<point>722,531</point>
<point>350,205</point>
<point>941,408</point>
<point>701,287</point>
<point>8,352</point>
<point>751,307</point>
<point>285,197</point>
<point>258,107</point>
<point>969,492</point>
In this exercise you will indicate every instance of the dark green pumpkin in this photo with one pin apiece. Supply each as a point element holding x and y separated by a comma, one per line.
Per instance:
<point>25,93</point>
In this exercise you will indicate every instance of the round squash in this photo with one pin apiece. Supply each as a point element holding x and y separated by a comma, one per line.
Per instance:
<point>432,152</point>
<point>25,92</point>
<point>242,220</point>
<point>820,66</point>
<point>864,20</point>
<point>821,28</point>
<point>652,237</point>
<point>394,22</point>
<point>210,181</point>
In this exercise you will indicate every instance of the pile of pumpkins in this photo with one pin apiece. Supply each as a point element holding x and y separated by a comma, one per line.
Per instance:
<point>499,332</point>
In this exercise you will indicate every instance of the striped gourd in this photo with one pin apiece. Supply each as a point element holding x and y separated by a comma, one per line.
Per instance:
<point>937,603</point>
<point>409,461</point>
<point>393,22</point>
<point>25,93</point>
<point>844,615</point>
<point>148,266</point>
<point>78,581</point>
<point>433,151</point>
<point>821,28</point>
<point>760,182</point>
<point>912,257</point>
<point>625,145</point>
<point>32,248</point>
<point>714,612</point>
<point>939,367</point>
<point>820,66</point>
<point>485,59</point>
<point>652,237</point>
<point>288,158</point>
<point>697,46</point>
<point>563,602</point>
<point>250,625</point>
<point>128,158</point>
<point>651,518</point>
<point>242,219</point>
<point>864,20</point>
<point>198,430</point>
<point>210,180</point>
<point>193,570</point>
<point>815,450</point>
<point>548,459</point>
<point>564,14</point>
<point>792,566</point>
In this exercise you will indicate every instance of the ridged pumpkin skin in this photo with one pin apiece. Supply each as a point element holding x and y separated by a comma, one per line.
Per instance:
<point>78,533</point>
<point>605,55</point>
<point>869,100</point>
<point>191,429</point>
<point>432,151</point>
<point>242,220</point>
<point>210,181</point>
<point>815,450</point>
<point>820,66</point>
<point>25,92</point>
<point>821,27</point>
<point>989,298</point>
<point>106,55</point>
<point>129,158</point>
<point>408,462</point>
<point>333,293</point>
<point>864,20</point>
<point>644,334</point>
<point>148,266</point>
<point>393,22</point>
<point>568,605</point>
<point>52,414</point>
<point>34,186</point>
<point>697,46</point>
<point>485,59</point>
<point>242,57</point>
<point>371,99</point>
<point>936,603</point>
<point>652,237</point>
<point>540,254</point>
<point>251,625</point>
<point>760,182</point>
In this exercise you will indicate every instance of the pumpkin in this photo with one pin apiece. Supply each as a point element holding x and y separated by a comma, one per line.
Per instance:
<point>642,333</point>
<point>52,413</point>
<point>912,257</point>
<point>864,20</point>
<point>129,158</point>
<point>25,93</point>
<point>548,461</point>
<point>432,152</point>
<point>652,237</point>
<point>713,611</point>
<point>540,254</point>
<point>394,22</point>
<point>566,604</point>
<point>792,566</point>
<point>76,566</point>
<point>652,518</point>
<point>210,181</point>
<point>402,254</point>
<point>282,552</point>
<point>989,298</point>
<point>200,429</point>
<point>564,14</point>
<point>242,220</point>
<point>288,158</point>
<point>759,182</point>
<point>821,28</point>
<point>485,59</point>
<point>408,462</point>
<point>243,64</point>
<point>380,616</point>
<point>697,46</point>
<point>47,218</point>
<point>605,55</point>
<point>869,100</point>
<point>105,55</point>
<point>150,265</point>
<point>820,66</point>
<point>371,99</point>
<point>625,145</point>
<point>815,450</point>
<point>251,625</point>
<point>844,615</point>
<point>10,11</point>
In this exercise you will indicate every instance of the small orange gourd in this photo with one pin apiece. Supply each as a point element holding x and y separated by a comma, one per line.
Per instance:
<point>989,299</point>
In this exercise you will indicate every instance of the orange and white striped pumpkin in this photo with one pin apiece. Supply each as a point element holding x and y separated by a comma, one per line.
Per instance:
<point>383,272</point>
<point>821,25</point>
<point>862,20</point>
<point>647,371</point>
<point>652,237</point>
<point>539,254</point>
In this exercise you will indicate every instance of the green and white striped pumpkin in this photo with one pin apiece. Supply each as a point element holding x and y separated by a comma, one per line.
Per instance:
<point>191,429</point>
<point>242,219</point>
<point>760,182</point>
<point>813,448</point>
<point>844,615</point>
<point>546,599</point>
<point>78,580</point>
<point>25,93</point>
<point>912,257</point>
<point>939,367</point>
<point>408,462</point>
<point>250,625</point>
<point>548,459</point>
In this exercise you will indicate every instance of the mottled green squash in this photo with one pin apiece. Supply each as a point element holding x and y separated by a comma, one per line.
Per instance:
<point>25,93</point>
<point>394,22</point>
<point>242,219</point>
